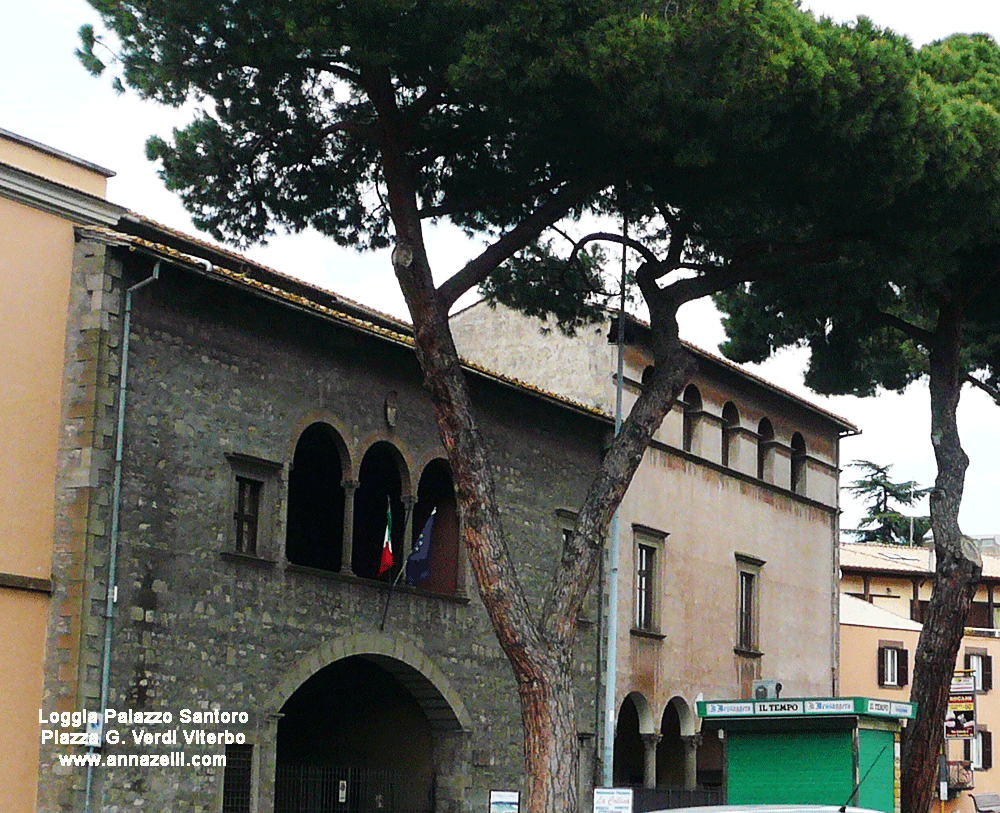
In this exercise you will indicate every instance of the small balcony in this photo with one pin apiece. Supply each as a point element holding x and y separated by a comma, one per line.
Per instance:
<point>961,776</point>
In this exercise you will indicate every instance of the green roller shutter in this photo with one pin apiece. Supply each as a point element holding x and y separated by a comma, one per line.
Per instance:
<point>815,767</point>
<point>877,760</point>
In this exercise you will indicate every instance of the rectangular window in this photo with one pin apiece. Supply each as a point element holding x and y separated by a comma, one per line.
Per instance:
<point>981,666</point>
<point>247,514</point>
<point>644,586</point>
<point>747,587</point>
<point>748,571</point>
<point>979,751</point>
<point>893,665</point>
<point>254,484</point>
<point>237,779</point>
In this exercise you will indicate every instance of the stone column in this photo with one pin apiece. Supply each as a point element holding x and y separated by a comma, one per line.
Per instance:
<point>347,545</point>
<point>266,763</point>
<point>408,502</point>
<point>649,742</point>
<point>691,743</point>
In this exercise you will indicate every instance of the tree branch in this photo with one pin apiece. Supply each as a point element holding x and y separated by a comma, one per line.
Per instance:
<point>990,390</point>
<point>611,237</point>
<point>918,334</point>
<point>479,268</point>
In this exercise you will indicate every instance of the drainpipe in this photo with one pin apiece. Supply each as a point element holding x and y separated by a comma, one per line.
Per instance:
<point>115,512</point>
<point>611,666</point>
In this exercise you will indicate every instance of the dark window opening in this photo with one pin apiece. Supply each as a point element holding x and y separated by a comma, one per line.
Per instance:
<point>247,514</point>
<point>747,637</point>
<point>730,433</point>
<point>436,493</point>
<point>798,464</point>
<point>765,450</point>
<point>316,501</point>
<point>237,784</point>
<point>379,497</point>
<point>692,409</point>
<point>981,666</point>
<point>979,751</point>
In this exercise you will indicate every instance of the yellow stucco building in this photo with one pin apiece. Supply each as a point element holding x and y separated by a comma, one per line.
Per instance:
<point>43,193</point>
<point>884,594</point>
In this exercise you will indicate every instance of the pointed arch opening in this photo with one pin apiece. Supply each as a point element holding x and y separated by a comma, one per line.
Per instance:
<point>436,495</point>
<point>315,529</point>
<point>378,507</point>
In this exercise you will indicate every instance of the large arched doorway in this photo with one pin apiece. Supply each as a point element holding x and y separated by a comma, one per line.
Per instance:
<point>354,738</point>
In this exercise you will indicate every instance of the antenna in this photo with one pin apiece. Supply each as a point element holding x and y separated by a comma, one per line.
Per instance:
<point>854,793</point>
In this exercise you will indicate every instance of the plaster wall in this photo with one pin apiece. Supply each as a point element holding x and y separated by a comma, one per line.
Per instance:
<point>710,516</point>
<point>61,169</point>
<point>22,651</point>
<point>36,251</point>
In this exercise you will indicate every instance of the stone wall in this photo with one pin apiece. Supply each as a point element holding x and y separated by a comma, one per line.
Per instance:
<point>217,371</point>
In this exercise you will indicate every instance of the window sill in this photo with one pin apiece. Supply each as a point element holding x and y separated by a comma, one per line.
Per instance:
<point>248,558</point>
<point>650,634</point>
<point>748,653</point>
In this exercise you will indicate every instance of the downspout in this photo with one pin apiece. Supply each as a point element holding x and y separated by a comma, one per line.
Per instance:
<point>611,664</point>
<point>115,512</point>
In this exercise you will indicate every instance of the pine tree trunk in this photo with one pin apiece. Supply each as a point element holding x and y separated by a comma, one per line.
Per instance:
<point>539,646</point>
<point>958,567</point>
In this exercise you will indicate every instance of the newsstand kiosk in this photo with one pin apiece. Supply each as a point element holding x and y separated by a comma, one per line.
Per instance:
<point>829,751</point>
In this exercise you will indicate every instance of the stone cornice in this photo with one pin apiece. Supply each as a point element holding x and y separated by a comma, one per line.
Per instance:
<point>55,198</point>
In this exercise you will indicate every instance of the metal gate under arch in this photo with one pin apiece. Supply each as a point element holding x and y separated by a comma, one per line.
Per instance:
<point>335,789</point>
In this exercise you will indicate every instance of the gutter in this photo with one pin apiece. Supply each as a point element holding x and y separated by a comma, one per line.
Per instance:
<point>112,596</point>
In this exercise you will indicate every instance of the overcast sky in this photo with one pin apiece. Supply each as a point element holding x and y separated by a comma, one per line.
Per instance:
<point>48,97</point>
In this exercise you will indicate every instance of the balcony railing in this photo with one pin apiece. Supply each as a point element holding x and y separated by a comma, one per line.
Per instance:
<point>961,776</point>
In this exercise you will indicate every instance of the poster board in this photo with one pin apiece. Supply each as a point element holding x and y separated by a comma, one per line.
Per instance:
<point>504,801</point>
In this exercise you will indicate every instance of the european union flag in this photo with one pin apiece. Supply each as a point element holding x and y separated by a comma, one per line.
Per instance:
<point>418,563</point>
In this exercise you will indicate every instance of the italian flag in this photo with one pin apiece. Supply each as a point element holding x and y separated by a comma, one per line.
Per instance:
<point>386,563</point>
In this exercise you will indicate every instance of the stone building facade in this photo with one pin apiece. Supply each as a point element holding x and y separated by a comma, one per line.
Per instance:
<point>240,443</point>
<point>727,545</point>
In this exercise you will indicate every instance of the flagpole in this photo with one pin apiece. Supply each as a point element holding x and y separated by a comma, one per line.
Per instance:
<point>394,582</point>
